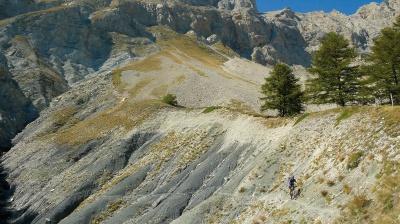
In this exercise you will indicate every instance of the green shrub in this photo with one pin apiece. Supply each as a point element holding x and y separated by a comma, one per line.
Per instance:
<point>210,109</point>
<point>354,160</point>
<point>170,99</point>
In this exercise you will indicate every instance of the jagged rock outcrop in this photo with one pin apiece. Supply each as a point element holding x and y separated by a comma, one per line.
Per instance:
<point>16,110</point>
<point>361,28</point>
<point>287,44</point>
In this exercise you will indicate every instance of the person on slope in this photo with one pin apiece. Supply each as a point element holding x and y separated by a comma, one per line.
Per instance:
<point>292,186</point>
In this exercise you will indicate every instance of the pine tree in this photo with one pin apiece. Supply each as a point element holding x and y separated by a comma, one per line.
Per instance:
<point>336,80</point>
<point>384,64</point>
<point>282,92</point>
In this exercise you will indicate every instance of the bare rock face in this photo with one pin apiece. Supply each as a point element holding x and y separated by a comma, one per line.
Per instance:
<point>287,43</point>
<point>361,28</point>
<point>38,81</point>
<point>15,109</point>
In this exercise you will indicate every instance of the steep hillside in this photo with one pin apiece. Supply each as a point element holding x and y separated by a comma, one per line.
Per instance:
<point>52,45</point>
<point>105,149</point>
<point>15,109</point>
<point>109,151</point>
<point>94,158</point>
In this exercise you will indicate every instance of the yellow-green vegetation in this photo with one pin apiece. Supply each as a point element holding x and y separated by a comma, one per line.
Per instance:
<point>170,99</point>
<point>179,48</point>
<point>346,189</point>
<point>65,116</point>
<point>111,208</point>
<point>198,71</point>
<point>354,160</point>
<point>356,210</point>
<point>276,122</point>
<point>117,80</point>
<point>241,107</point>
<point>330,183</point>
<point>151,63</point>
<point>160,90</point>
<point>187,46</point>
<point>384,206</point>
<point>391,117</point>
<point>4,22</point>
<point>20,38</point>
<point>388,192</point>
<point>124,115</point>
<point>301,118</point>
<point>220,47</point>
<point>210,109</point>
<point>139,86</point>
<point>326,195</point>
<point>358,204</point>
<point>346,113</point>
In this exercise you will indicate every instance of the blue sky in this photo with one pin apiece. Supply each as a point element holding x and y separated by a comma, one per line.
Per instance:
<point>345,6</point>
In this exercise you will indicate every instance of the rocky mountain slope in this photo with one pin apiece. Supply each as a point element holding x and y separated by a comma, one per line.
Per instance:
<point>51,45</point>
<point>100,156</point>
<point>105,149</point>
<point>16,110</point>
<point>108,151</point>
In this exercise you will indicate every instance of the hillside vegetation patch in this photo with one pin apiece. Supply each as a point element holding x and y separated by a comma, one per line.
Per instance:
<point>125,116</point>
<point>346,113</point>
<point>210,109</point>
<point>354,160</point>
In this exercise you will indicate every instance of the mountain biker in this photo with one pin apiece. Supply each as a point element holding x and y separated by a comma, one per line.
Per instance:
<point>292,186</point>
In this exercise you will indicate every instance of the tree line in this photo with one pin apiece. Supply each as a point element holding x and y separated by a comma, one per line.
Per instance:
<point>338,78</point>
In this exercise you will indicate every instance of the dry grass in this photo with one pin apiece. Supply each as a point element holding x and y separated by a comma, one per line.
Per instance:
<point>280,212</point>
<point>111,208</point>
<point>125,115</point>
<point>358,204</point>
<point>198,71</point>
<point>354,159</point>
<point>225,50</point>
<point>346,113</point>
<point>117,80</point>
<point>181,49</point>
<point>388,190</point>
<point>211,109</point>
<point>346,189</point>
<point>391,117</point>
<point>134,91</point>
<point>384,207</point>
<point>259,219</point>
<point>330,183</point>
<point>64,116</point>
<point>160,91</point>
<point>301,118</point>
